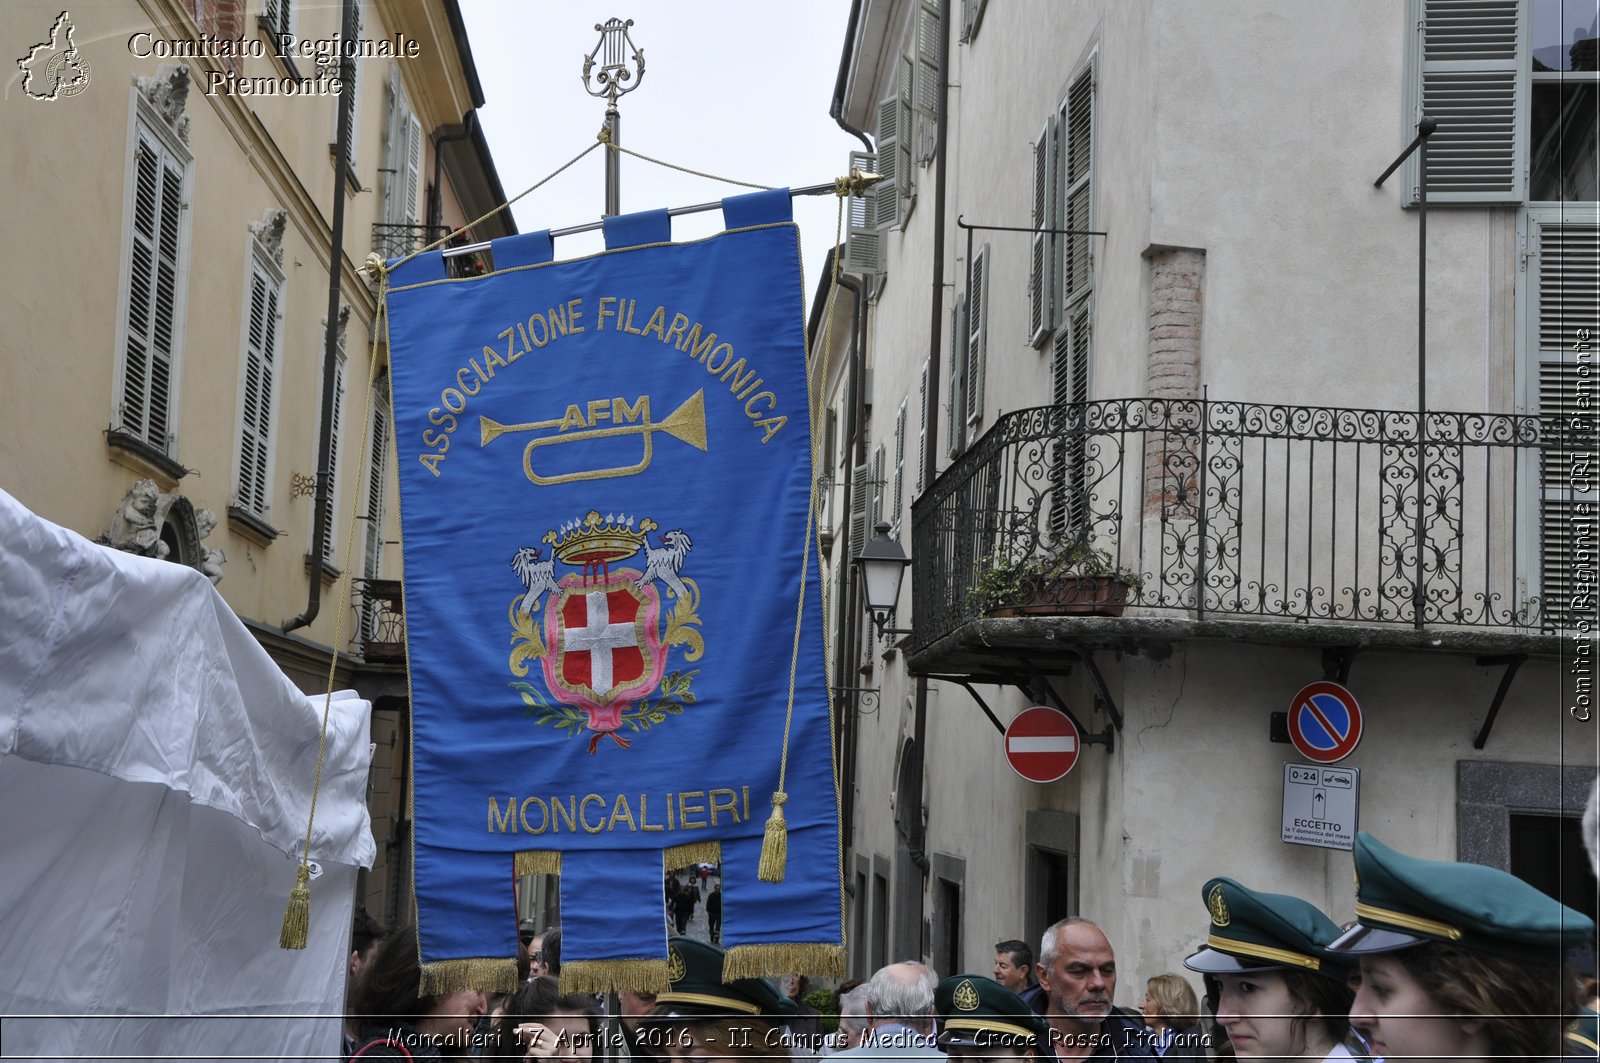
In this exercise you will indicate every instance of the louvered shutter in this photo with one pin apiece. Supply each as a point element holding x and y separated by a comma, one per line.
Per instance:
<point>886,193</point>
<point>1076,130</point>
<point>897,496</point>
<point>1466,64</point>
<point>412,185</point>
<point>277,14</point>
<point>862,244</point>
<point>956,429</point>
<point>1070,390</point>
<point>377,473</point>
<point>927,81</point>
<point>860,504</point>
<point>977,335</point>
<point>971,17</point>
<point>152,324</point>
<point>1041,275</point>
<point>1568,286</point>
<point>877,488</point>
<point>922,428</point>
<point>330,522</point>
<point>393,154</point>
<point>349,99</point>
<point>260,370</point>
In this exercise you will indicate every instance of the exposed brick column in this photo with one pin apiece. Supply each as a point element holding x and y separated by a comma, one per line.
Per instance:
<point>1172,371</point>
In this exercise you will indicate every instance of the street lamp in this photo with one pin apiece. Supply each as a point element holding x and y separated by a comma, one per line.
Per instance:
<point>881,565</point>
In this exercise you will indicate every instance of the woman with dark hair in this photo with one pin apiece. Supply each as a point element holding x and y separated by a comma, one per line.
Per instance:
<point>394,1020</point>
<point>541,1023</point>
<point>1281,996</point>
<point>1459,962</point>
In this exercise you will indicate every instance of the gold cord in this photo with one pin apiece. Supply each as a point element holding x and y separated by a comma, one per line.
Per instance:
<point>605,138</point>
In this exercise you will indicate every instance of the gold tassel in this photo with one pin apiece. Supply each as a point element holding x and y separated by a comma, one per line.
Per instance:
<point>537,862</point>
<point>775,845</point>
<point>297,917</point>
<point>678,857</point>
<point>448,976</point>
<point>761,961</point>
<point>607,976</point>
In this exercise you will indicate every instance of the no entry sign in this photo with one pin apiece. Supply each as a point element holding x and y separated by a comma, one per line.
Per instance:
<point>1324,722</point>
<point>1042,744</point>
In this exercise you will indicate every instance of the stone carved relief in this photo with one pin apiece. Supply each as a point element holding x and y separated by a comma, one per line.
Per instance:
<point>268,232</point>
<point>168,92</point>
<point>151,523</point>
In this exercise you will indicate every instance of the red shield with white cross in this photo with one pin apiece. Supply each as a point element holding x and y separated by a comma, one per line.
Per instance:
<point>605,644</point>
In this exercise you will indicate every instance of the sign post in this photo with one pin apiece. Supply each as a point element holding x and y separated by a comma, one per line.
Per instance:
<point>1042,744</point>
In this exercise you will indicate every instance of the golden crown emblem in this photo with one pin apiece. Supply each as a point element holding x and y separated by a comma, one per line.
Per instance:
<point>595,540</point>
<point>965,998</point>
<point>1218,905</point>
<point>676,968</point>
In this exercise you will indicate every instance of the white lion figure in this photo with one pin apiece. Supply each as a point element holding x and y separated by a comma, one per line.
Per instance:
<point>663,562</point>
<point>536,575</point>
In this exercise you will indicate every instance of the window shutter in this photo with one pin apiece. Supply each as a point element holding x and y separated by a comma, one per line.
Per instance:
<point>922,428</point>
<point>977,335</point>
<point>860,504</point>
<point>1569,309</point>
<point>927,81</point>
<point>957,428</point>
<point>277,15</point>
<point>377,471</point>
<point>1466,74</point>
<point>1041,277</point>
<point>897,497</point>
<point>350,100</point>
<point>260,368</point>
<point>393,163</point>
<point>971,16</point>
<point>412,185</point>
<point>1077,153</point>
<point>1070,387</point>
<point>877,487</point>
<point>152,294</point>
<point>862,253</point>
<point>886,193</point>
<point>330,521</point>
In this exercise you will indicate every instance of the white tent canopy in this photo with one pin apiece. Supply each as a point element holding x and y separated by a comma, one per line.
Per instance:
<point>155,775</point>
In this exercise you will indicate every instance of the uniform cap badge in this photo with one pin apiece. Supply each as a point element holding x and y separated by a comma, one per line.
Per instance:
<point>1218,905</point>
<point>965,997</point>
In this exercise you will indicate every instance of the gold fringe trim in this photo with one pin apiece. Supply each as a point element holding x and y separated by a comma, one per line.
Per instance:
<point>761,961</point>
<point>615,976</point>
<point>297,916</point>
<point>678,857</point>
<point>537,862</point>
<point>448,976</point>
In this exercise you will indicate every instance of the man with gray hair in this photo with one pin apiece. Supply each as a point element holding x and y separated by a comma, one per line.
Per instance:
<point>899,1015</point>
<point>1078,973</point>
<point>852,1021</point>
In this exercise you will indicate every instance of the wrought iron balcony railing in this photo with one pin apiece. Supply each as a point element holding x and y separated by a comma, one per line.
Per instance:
<point>383,621</point>
<point>1247,510</point>
<point>391,240</point>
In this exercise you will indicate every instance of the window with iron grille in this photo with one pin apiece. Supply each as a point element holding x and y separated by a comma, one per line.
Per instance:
<point>152,315</point>
<point>262,318</point>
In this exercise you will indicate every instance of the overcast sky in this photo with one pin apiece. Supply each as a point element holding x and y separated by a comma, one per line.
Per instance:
<point>738,88</point>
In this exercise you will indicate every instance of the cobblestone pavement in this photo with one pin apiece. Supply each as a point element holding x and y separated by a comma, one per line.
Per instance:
<point>697,922</point>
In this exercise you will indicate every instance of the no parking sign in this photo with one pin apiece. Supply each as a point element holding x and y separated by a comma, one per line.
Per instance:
<point>1324,722</point>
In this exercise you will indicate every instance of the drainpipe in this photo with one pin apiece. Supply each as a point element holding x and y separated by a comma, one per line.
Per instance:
<point>849,608</point>
<point>436,216</point>
<point>330,338</point>
<point>930,449</point>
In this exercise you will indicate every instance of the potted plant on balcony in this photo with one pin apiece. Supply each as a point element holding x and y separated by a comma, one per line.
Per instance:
<point>1077,580</point>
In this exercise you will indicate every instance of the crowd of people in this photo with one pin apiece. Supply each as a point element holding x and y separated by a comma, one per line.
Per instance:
<point>1444,961</point>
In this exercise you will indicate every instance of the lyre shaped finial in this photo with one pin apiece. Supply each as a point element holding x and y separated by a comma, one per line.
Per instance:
<point>614,47</point>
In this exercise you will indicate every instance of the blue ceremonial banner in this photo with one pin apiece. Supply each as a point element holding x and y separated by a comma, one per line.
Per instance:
<point>613,610</point>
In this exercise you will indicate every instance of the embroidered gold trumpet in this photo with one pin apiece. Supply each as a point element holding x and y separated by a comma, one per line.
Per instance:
<point>687,422</point>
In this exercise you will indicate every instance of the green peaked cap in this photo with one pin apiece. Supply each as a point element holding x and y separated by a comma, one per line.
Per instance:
<point>978,1012</point>
<point>1403,901</point>
<point>1255,931</point>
